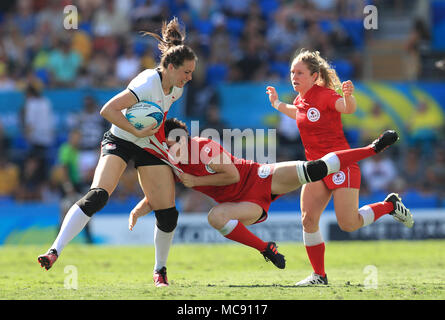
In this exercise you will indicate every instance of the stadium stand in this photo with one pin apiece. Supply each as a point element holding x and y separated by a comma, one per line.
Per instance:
<point>239,43</point>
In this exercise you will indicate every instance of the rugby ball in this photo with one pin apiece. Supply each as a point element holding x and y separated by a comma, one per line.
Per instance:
<point>144,114</point>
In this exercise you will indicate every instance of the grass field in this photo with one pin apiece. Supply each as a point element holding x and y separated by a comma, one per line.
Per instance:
<point>400,269</point>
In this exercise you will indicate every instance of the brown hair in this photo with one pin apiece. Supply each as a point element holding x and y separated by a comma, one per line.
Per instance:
<point>327,76</point>
<point>171,44</point>
<point>174,123</point>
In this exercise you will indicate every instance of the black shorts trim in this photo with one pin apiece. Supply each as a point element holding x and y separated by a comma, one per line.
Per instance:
<point>127,151</point>
<point>264,214</point>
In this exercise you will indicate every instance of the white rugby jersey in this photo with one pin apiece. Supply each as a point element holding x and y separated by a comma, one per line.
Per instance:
<point>146,86</point>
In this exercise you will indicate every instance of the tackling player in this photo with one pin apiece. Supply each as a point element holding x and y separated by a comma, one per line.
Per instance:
<point>317,110</point>
<point>245,189</point>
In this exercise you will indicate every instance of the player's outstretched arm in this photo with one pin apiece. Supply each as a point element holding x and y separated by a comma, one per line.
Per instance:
<point>287,109</point>
<point>224,173</point>
<point>140,210</point>
<point>347,104</point>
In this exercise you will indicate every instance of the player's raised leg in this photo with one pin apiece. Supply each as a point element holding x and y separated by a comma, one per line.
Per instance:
<point>106,178</point>
<point>231,219</point>
<point>289,176</point>
<point>392,205</point>
<point>348,214</point>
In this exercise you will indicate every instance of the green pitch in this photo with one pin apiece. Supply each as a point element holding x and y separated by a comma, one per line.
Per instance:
<point>356,270</point>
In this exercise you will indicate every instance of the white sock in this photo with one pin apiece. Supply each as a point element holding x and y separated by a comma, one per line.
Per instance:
<point>163,241</point>
<point>312,239</point>
<point>367,214</point>
<point>228,227</point>
<point>332,162</point>
<point>301,172</point>
<point>74,222</point>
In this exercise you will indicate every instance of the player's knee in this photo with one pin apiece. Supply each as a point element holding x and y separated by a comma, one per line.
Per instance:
<point>167,219</point>
<point>212,217</point>
<point>347,226</point>
<point>316,169</point>
<point>93,201</point>
<point>216,218</point>
<point>309,222</point>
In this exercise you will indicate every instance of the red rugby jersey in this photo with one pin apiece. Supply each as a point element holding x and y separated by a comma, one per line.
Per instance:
<point>201,151</point>
<point>320,125</point>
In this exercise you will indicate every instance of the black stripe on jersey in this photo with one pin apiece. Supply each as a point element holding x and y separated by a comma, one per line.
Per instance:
<point>134,94</point>
<point>159,73</point>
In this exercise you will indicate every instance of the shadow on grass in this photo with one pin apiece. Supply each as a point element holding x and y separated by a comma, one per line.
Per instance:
<point>345,285</point>
<point>260,286</point>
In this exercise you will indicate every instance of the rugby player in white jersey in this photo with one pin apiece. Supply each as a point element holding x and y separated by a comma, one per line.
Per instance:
<point>161,86</point>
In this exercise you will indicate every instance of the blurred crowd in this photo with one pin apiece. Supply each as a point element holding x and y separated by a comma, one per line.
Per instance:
<point>235,40</point>
<point>249,40</point>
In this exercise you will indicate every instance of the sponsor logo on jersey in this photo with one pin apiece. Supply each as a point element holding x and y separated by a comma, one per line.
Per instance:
<point>338,178</point>
<point>313,114</point>
<point>264,171</point>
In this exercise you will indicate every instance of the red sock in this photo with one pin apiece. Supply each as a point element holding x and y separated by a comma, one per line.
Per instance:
<point>381,208</point>
<point>316,257</point>
<point>242,235</point>
<point>350,156</point>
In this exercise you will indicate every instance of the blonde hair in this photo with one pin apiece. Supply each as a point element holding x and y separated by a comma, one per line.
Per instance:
<point>171,44</point>
<point>327,76</point>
